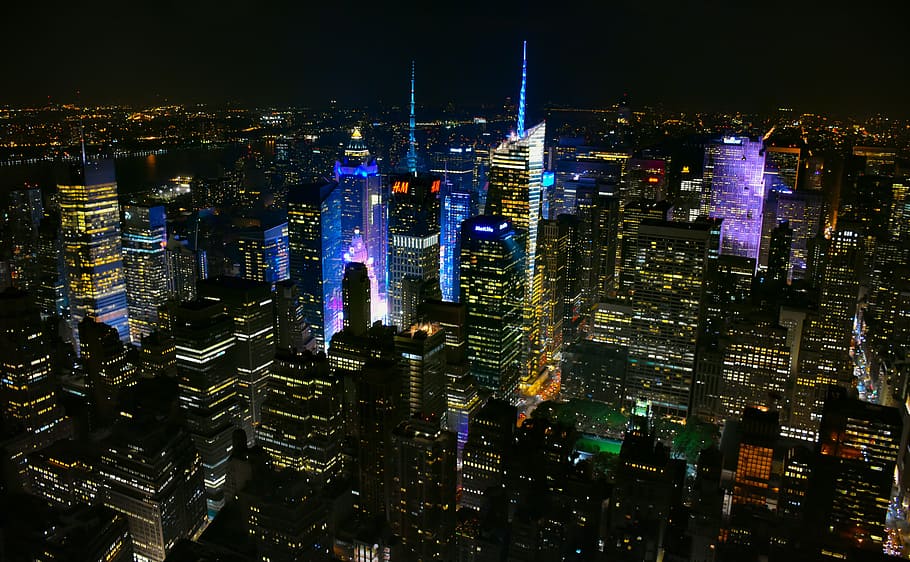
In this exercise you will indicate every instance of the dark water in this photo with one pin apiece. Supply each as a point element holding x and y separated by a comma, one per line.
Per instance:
<point>138,173</point>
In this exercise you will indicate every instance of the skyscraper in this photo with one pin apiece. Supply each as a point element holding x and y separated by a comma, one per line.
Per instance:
<point>668,311</point>
<point>302,421</point>
<point>413,238</point>
<point>421,358</point>
<point>107,370</point>
<point>249,304</point>
<point>90,227</point>
<point>186,267</point>
<point>492,289</point>
<point>423,489</point>
<point>316,263</point>
<point>153,476</point>
<point>145,266</point>
<point>515,194</point>
<point>850,490</point>
<point>457,205</point>
<point>29,391</point>
<point>204,337</point>
<point>363,205</point>
<point>734,168</point>
<point>264,253</point>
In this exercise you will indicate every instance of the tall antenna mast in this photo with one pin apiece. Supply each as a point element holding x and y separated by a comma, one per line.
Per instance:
<point>412,142</point>
<point>521,95</point>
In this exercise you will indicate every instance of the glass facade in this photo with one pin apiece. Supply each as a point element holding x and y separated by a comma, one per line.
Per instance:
<point>145,266</point>
<point>90,228</point>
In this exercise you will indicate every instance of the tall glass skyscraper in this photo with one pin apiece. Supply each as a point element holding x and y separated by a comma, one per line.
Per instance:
<point>516,176</point>
<point>492,289</point>
<point>457,205</point>
<point>668,308</point>
<point>317,267</point>
<point>90,227</point>
<point>364,222</point>
<point>264,252</point>
<point>145,266</point>
<point>734,171</point>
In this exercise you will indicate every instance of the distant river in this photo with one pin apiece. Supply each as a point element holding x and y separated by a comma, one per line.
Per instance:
<point>139,173</point>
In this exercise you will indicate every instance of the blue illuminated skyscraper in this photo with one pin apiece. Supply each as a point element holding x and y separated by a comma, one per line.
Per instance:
<point>264,254</point>
<point>145,266</point>
<point>458,201</point>
<point>317,267</point>
<point>90,228</point>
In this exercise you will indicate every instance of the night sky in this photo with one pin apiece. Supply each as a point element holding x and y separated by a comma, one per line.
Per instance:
<point>812,56</point>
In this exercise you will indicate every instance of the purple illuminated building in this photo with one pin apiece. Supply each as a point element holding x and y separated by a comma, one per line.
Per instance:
<point>363,207</point>
<point>734,168</point>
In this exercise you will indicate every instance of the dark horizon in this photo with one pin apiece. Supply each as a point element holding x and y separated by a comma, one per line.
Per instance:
<point>720,57</point>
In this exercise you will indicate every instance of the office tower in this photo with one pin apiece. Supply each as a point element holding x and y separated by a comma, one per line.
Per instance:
<point>779,253</point>
<point>423,489</point>
<point>644,179</point>
<point>457,205</point>
<point>51,294</point>
<point>158,356</point>
<point>90,228</point>
<point>598,215</point>
<point>492,289</point>
<point>422,358</point>
<point>362,202</point>
<point>592,370</point>
<point>877,160</point>
<point>633,214</point>
<point>29,391</point>
<point>613,323</point>
<point>489,440</point>
<point>802,210</point>
<point>825,351</point>
<point>286,517</point>
<point>204,337</point>
<point>756,365</point>
<point>65,474</point>
<point>850,490</point>
<point>648,489</point>
<point>782,165</point>
<point>19,226</point>
<point>291,330</point>
<point>554,242</point>
<point>378,412</point>
<point>302,420</point>
<point>264,253</point>
<point>186,267</point>
<point>355,287</point>
<point>462,403</point>
<point>145,266</point>
<point>733,169</point>
<point>515,194</point>
<point>451,317</point>
<point>108,371</point>
<point>153,476</point>
<point>669,304</point>
<point>413,238</point>
<point>314,235</point>
<point>249,305</point>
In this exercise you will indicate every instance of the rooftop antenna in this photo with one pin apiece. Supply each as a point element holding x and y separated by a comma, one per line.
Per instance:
<point>412,142</point>
<point>521,95</point>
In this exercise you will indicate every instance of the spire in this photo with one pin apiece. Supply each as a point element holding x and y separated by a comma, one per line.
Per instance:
<point>82,140</point>
<point>412,143</point>
<point>521,95</point>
